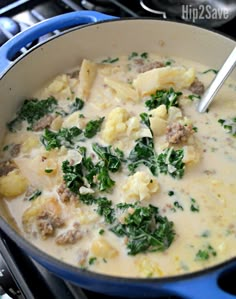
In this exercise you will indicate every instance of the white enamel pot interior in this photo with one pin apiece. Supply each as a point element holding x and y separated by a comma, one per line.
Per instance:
<point>111,38</point>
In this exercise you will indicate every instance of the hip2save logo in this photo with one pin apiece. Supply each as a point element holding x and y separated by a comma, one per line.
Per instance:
<point>203,12</point>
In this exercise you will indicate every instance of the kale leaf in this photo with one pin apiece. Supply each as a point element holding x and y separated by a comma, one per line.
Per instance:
<point>111,161</point>
<point>171,161</point>
<point>143,153</point>
<point>31,111</point>
<point>145,230</point>
<point>229,125</point>
<point>206,253</point>
<point>167,97</point>
<point>65,136</point>
<point>73,176</point>
<point>77,105</point>
<point>93,127</point>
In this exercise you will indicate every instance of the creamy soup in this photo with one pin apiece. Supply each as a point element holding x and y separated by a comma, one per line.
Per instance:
<point>111,168</point>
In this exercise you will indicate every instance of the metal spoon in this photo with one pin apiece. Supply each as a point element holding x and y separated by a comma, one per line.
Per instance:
<point>216,84</point>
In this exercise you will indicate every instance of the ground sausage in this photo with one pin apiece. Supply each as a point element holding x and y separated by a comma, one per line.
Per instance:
<point>197,87</point>
<point>43,123</point>
<point>71,236</point>
<point>150,66</point>
<point>15,150</point>
<point>66,195</point>
<point>6,167</point>
<point>177,133</point>
<point>47,223</point>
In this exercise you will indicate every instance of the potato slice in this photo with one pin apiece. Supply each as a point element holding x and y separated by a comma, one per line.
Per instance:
<point>163,78</point>
<point>87,76</point>
<point>124,91</point>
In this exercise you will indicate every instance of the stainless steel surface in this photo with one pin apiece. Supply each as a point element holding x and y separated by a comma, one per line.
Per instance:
<point>216,84</point>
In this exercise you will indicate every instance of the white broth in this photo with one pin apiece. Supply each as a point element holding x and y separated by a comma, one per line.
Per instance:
<point>111,168</point>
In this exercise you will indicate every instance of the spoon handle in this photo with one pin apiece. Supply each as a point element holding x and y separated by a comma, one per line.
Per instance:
<point>216,84</point>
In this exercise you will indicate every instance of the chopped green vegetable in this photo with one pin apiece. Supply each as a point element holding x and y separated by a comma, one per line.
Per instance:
<point>132,55</point>
<point>6,147</point>
<point>145,230</point>
<point>194,205</point>
<point>73,176</point>
<point>167,97</point>
<point>229,125</point>
<point>143,153</point>
<point>92,260</point>
<point>31,111</point>
<point>104,181</point>
<point>111,161</point>
<point>171,161</point>
<point>68,137</point>
<point>110,60</point>
<point>206,234</point>
<point>210,70</point>
<point>77,105</point>
<point>36,194</point>
<point>105,209</point>
<point>205,254</point>
<point>93,127</point>
<point>171,193</point>
<point>144,55</point>
<point>194,96</point>
<point>178,205</point>
<point>146,120</point>
<point>47,170</point>
<point>101,231</point>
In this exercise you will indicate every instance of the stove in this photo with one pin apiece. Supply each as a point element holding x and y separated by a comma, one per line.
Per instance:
<point>16,269</point>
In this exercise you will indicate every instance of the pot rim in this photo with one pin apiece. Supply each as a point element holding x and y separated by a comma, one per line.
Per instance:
<point>39,254</point>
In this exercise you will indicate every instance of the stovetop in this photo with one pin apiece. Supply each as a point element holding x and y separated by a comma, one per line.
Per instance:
<point>16,269</point>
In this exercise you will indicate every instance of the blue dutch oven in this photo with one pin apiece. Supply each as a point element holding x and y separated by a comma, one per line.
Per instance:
<point>93,35</point>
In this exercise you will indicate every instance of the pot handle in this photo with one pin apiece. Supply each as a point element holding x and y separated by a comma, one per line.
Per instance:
<point>203,287</point>
<point>19,41</point>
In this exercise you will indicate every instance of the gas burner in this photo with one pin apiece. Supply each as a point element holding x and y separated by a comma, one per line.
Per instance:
<point>99,5</point>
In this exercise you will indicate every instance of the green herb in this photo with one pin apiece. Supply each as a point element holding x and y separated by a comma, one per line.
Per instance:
<point>81,116</point>
<point>101,231</point>
<point>6,147</point>
<point>65,136</point>
<point>171,161</point>
<point>77,105</point>
<point>205,254</point>
<point>110,60</point>
<point>194,206</point>
<point>194,96</point>
<point>145,230</point>
<point>93,127</point>
<point>229,125</point>
<point>171,193</point>
<point>47,170</point>
<point>36,194</point>
<point>143,153</point>
<point>104,181</point>
<point>92,260</point>
<point>146,120</point>
<point>178,205</point>
<point>132,55</point>
<point>195,129</point>
<point>169,62</point>
<point>144,55</point>
<point>206,234</point>
<point>111,161</point>
<point>73,176</point>
<point>167,97</point>
<point>105,209</point>
<point>210,70</point>
<point>31,111</point>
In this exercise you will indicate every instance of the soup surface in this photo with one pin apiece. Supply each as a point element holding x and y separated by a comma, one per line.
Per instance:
<point>111,168</point>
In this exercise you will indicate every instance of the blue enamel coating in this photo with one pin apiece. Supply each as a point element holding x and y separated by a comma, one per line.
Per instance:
<point>10,48</point>
<point>197,286</point>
